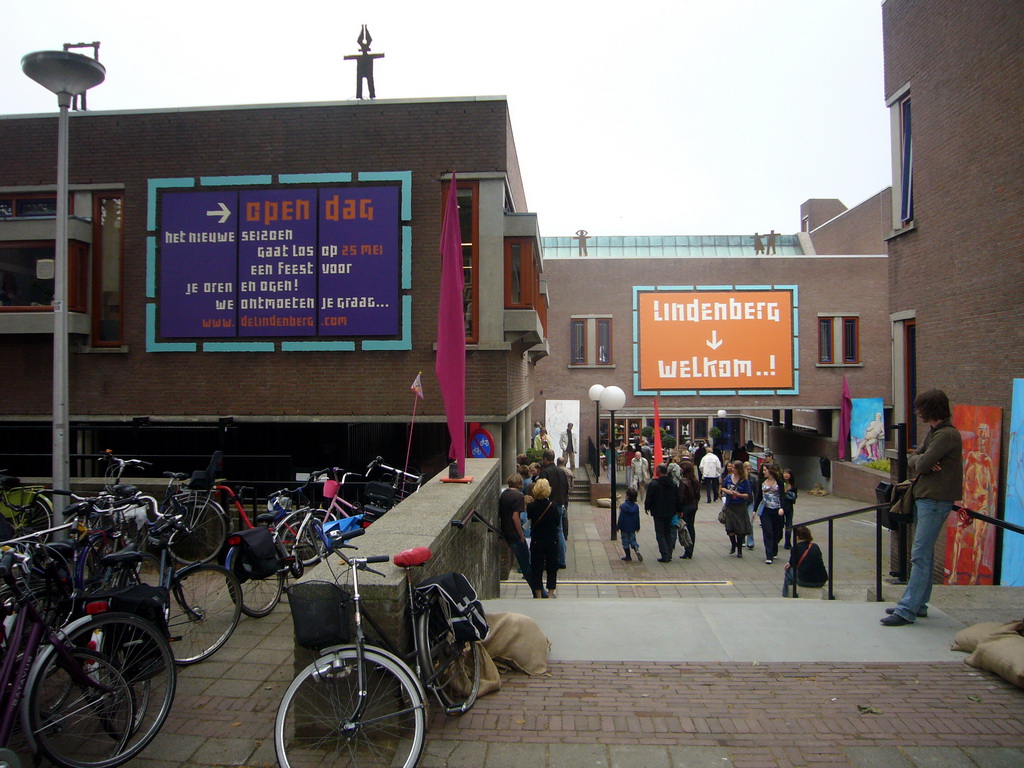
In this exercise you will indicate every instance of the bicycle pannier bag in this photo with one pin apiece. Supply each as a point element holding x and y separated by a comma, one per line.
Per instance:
<point>147,602</point>
<point>259,554</point>
<point>468,619</point>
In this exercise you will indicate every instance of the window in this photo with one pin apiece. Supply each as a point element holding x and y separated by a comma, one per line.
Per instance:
<point>590,341</point>
<point>107,248</point>
<point>27,206</point>
<point>902,138</point>
<point>470,255</point>
<point>838,333</point>
<point>28,285</point>
<point>578,342</point>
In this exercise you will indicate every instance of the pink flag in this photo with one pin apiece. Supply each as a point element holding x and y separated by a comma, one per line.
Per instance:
<point>451,331</point>
<point>845,416</point>
<point>658,459</point>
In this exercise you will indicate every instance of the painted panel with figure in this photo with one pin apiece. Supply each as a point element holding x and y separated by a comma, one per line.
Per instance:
<point>971,548</point>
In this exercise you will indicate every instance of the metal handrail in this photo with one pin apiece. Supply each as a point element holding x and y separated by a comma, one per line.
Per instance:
<point>879,509</point>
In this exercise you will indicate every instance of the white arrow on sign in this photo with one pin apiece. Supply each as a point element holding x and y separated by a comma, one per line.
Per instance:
<point>224,213</point>
<point>715,342</point>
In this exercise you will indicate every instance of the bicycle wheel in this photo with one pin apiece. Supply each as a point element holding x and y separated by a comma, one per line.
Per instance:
<point>259,596</point>
<point>37,517</point>
<point>300,534</point>
<point>205,529</point>
<point>319,726</point>
<point>206,603</point>
<point>451,667</point>
<point>78,724</point>
<point>140,655</point>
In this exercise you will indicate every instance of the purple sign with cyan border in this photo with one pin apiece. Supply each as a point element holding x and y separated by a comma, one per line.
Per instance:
<point>198,263</point>
<point>277,263</point>
<point>280,262</point>
<point>359,261</point>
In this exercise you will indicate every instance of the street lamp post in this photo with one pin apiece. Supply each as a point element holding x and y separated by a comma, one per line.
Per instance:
<point>595,395</point>
<point>67,75</point>
<point>612,399</point>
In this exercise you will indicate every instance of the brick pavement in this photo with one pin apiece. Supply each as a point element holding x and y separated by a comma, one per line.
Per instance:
<point>654,715</point>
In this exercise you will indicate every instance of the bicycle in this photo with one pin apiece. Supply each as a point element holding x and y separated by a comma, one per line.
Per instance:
<point>261,562</point>
<point>204,601</point>
<point>361,704</point>
<point>25,508</point>
<point>204,523</point>
<point>90,696</point>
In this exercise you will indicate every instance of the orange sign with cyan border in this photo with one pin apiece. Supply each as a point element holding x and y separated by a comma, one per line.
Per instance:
<point>715,340</point>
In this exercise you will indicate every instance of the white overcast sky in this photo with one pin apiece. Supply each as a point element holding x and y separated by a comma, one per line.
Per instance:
<point>631,118</point>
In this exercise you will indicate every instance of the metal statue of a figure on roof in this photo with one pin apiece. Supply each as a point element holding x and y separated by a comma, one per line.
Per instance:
<point>364,63</point>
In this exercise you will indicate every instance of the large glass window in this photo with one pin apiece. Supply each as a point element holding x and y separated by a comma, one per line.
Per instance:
<point>26,276</point>
<point>107,253</point>
<point>578,342</point>
<point>604,341</point>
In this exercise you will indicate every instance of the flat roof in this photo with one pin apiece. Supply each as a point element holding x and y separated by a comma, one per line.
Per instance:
<point>667,246</point>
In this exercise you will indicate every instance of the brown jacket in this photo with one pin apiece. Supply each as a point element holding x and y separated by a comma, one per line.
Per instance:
<point>944,446</point>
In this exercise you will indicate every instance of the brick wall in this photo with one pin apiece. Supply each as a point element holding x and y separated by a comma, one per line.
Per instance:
<point>426,138</point>
<point>961,269</point>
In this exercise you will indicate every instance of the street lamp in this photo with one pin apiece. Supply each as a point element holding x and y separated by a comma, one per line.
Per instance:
<point>595,395</point>
<point>68,75</point>
<point>612,399</point>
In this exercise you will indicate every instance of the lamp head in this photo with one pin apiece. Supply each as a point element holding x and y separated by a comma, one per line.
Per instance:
<point>63,72</point>
<point>613,398</point>
<point>595,392</point>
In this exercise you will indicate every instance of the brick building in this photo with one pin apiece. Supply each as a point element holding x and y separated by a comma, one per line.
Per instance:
<point>264,280</point>
<point>835,294</point>
<point>954,83</point>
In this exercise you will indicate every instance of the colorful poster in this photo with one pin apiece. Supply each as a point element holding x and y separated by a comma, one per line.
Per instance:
<point>280,262</point>
<point>1012,571</point>
<point>971,548</point>
<point>867,430</point>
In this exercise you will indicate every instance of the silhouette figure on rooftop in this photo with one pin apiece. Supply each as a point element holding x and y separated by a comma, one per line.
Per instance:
<point>364,63</point>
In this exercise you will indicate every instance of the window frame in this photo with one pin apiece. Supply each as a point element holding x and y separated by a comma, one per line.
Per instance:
<point>471,286</point>
<point>98,264</point>
<point>901,138</point>
<point>591,328</point>
<point>839,339</point>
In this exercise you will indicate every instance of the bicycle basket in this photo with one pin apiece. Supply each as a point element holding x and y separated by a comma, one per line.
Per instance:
<point>319,613</point>
<point>331,488</point>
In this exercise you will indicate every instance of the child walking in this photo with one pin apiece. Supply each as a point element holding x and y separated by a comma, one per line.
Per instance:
<point>629,524</point>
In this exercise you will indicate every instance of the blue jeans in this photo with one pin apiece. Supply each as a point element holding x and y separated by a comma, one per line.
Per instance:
<point>929,517</point>
<point>772,524</point>
<point>522,552</point>
<point>750,536</point>
<point>628,541</point>
<point>561,537</point>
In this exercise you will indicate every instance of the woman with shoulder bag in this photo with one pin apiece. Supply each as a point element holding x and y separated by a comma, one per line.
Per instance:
<point>788,503</point>
<point>772,515</point>
<point>736,492</point>
<point>545,523</point>
<point>689,494</point>
<point>805,565</point>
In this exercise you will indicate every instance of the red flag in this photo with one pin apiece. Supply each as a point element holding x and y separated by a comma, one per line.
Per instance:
<point>658,458</point>
<point>450,365</point>
<point>845,416</point>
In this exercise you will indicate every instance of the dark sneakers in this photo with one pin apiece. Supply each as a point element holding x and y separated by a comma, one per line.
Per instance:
<point>894,620</point>
<point>921,614</point>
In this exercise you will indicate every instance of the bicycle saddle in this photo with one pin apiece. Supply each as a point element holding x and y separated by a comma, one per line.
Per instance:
<point>411,557</point>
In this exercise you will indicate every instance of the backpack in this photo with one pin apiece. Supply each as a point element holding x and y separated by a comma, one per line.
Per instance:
<point>467,612</point>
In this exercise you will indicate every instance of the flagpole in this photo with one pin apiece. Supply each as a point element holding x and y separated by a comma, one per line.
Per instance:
<point>417,393</point>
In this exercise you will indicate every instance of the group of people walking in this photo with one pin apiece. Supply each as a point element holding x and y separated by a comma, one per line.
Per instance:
<point>766,498</point>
